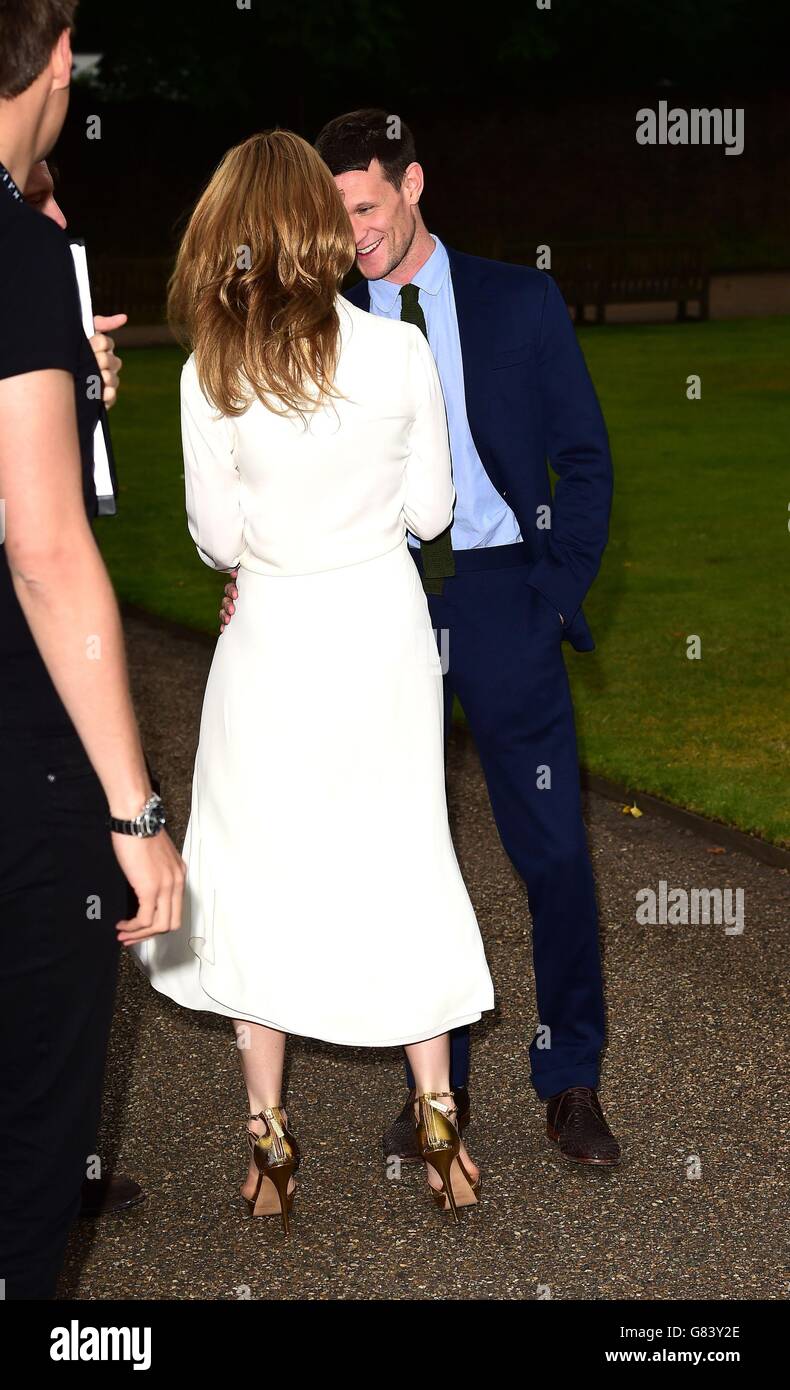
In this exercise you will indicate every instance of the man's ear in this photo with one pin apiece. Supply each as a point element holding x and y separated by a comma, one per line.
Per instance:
<point>61,62</point>
<point>413,182</point>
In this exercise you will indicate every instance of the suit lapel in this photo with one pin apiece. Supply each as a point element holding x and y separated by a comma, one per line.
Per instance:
<point>359,295</point>
<point>471,311</point>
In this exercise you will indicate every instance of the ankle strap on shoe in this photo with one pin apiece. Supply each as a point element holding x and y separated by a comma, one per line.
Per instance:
<point>271,1118</point>
<point>434,1098</point>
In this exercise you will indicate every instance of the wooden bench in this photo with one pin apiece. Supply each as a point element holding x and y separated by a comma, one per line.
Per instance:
<point>594,274</point>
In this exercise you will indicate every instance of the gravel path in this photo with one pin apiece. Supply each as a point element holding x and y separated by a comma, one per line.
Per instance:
<point>693,1082</point>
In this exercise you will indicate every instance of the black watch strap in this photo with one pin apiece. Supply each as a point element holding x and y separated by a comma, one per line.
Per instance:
<point>149,822</point>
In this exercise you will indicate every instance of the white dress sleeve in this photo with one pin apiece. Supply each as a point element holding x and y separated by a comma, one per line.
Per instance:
<point>430,495</point>
<point>211,478</point>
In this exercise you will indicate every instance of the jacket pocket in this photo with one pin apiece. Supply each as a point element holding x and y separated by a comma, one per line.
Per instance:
<point>512,357</point>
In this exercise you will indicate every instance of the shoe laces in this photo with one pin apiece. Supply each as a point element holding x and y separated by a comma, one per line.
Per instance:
<point>581,1098</point>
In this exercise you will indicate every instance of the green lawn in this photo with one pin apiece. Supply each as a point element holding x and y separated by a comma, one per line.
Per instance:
<point>699,545</point>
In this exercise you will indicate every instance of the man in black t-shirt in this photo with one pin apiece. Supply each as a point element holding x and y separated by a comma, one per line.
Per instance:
<point>107,1192</point>
<point>41,330</point>
<point>47,304</point>
<point>79,824</point>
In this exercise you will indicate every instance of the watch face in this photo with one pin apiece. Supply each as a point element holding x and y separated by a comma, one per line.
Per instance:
<point>155,819</point>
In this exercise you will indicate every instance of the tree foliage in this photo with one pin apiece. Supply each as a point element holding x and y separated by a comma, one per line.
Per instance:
<point>304,54</point>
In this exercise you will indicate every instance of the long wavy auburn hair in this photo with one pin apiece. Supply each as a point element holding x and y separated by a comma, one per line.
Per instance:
<point>253,290</point>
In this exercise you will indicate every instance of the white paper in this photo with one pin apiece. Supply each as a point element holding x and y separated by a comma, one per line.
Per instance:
<point>102,478</point>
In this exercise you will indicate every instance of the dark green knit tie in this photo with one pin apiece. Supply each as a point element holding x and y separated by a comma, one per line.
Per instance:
<point>437,555</point>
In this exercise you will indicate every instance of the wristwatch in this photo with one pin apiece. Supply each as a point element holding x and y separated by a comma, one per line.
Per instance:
<point>149,822</point>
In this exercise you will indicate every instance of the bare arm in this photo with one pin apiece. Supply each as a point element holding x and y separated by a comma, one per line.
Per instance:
<point>66,596</point>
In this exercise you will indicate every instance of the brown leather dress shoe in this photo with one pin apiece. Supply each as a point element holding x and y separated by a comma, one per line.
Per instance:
<point>400,1140</point>
<point>575,1123</point>
<point>104,1196</point>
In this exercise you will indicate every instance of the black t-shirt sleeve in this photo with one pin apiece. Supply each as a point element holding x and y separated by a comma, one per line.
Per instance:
<point>40,318</point>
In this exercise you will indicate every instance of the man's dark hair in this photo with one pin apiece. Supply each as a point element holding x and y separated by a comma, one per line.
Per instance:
<point>29,30</point>
<point>352,141</point>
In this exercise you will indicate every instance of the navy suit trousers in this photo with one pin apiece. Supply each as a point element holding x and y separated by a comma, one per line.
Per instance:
<point>504,644</point>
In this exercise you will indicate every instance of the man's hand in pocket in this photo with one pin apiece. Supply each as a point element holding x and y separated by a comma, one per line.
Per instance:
<point>547,603</point>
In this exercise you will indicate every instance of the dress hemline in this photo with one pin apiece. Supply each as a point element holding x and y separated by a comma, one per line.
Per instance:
<point>435,1031</point>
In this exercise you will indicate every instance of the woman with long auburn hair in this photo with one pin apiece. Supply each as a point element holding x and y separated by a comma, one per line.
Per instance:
<point>320,866</point>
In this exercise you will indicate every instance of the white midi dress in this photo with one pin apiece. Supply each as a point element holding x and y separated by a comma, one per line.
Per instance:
<point>323,894</point>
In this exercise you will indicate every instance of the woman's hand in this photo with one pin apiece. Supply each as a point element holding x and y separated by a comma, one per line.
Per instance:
<point>228,608</point>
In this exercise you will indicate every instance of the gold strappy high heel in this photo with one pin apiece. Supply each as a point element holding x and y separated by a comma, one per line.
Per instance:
<point>276,1156</point>
<point>440,1148</point>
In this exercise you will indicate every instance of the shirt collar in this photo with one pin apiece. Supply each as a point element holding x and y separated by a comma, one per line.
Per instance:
<point>430,277</point>
<point>8,183</point>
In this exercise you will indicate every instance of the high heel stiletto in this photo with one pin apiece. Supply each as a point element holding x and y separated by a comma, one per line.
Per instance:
<point>440,1148</point>
<point>276,1156</point>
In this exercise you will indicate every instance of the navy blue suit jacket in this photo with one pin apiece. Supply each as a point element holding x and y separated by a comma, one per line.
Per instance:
<point>529,399</point>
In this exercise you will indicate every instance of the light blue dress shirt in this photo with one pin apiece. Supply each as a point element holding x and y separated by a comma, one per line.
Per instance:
<point>481,516</point>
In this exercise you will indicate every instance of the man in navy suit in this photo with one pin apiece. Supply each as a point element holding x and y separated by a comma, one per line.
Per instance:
<point>505,583</point>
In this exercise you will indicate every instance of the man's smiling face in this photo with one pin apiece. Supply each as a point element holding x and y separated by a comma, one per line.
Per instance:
<point>382,216</point>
